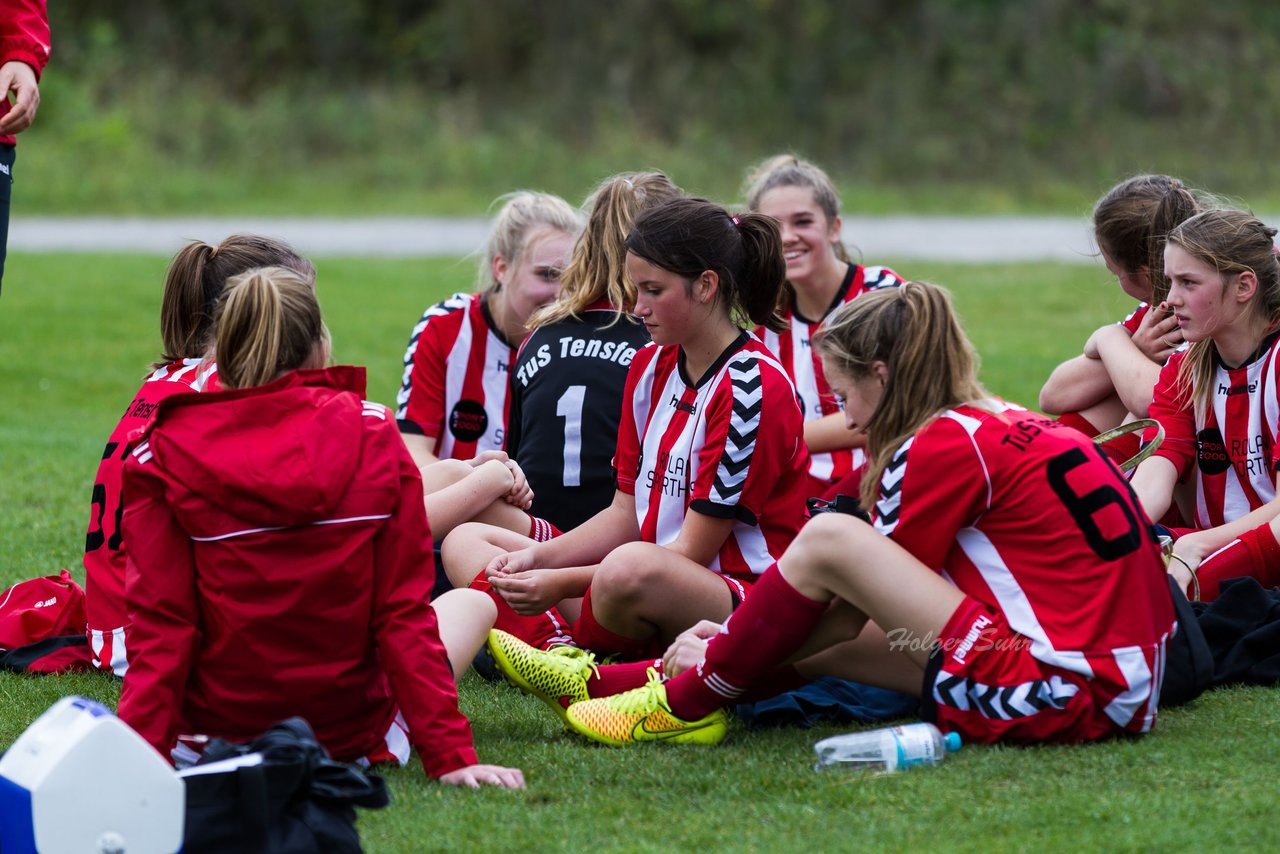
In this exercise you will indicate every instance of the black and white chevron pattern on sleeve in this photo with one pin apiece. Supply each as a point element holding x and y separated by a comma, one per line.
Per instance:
<point>453,303</point>
<point>744,426</point>
<point>875,278</point>
<point>890,494</point>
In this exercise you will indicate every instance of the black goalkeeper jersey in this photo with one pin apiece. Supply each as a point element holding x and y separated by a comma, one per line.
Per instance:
<point>566,399</point>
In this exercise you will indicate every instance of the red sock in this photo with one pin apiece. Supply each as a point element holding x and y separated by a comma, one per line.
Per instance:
<point>775,682</point>
<point>773,622</point>
<point>541,630</point>
<point>1255,554</point>
<point>540,530</point>
<point>589,634</point>
<point>611,679</point>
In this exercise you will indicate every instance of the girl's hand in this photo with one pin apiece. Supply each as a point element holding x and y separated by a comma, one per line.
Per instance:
<point>485,456</point>
<point>520,494</point>
<point>497,476</point>
<point>1158,335</point>
<point>509,563</point>
<point>1188,553</point>
<point>528,593</point>
<point>689,648</point>
<point>475,776</point>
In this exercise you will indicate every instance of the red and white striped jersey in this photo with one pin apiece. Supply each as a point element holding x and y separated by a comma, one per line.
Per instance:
<point>1028,517</point>
<point>729,447</point>
<point>104,547</point>
<point>1233,446</point>
<point>794,351</point>
<point>456,381</point>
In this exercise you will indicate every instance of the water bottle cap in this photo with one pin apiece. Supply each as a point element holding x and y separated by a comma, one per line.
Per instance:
<point>953,742</point>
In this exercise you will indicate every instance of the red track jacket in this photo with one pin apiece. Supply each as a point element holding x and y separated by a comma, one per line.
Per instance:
<point>24,36</point>
<point>280,564</point>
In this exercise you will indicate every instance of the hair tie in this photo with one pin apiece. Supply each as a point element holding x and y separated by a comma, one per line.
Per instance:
<point>736,222</point>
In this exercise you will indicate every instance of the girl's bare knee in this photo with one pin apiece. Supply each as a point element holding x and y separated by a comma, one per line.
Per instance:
<point>829,536</point>
<point>626,573</point>
<point>444,473</point>
<point>477,605</point>
<point>459,549</point>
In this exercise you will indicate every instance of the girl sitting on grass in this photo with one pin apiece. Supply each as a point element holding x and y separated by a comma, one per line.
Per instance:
<point>192,286</point>
<point>1115,376</point>
<point>568,381</point>
<point>820,278</point>
<point>711,467</point>
<point>455,392</point>
<point>1219,402</point>
<point>1009,578</point>
<point>279,558</point>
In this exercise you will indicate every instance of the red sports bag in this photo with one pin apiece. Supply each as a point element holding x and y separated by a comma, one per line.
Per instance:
<point>42,626</point>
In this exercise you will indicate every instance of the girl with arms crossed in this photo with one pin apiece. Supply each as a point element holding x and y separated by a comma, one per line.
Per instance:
<point>455,392</point>
<point>453,397</point>
<point>1019,588</point>
<point>254,511</point>
<point>1115,376</point>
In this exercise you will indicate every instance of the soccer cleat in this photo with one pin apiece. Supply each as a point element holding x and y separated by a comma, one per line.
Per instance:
<point>557,676</point>
<point>642,714</point>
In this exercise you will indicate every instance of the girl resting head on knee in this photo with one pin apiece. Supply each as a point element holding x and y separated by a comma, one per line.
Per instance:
<point>1009,578</point>
<point>1114,377</point>
<point>279,561</point>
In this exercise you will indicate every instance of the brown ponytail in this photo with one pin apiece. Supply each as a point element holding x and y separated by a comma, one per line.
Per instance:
<point>1131,221</point>
<point>195,280</point>
<point>689,236</point>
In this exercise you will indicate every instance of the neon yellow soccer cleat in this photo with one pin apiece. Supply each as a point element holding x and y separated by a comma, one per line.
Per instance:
<point>642,714</point>
<point>557,676</point>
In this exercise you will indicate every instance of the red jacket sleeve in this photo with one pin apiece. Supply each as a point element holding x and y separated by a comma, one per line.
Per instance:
<point>24,33</point>
<point>405,631</point>
<point>160,591</point>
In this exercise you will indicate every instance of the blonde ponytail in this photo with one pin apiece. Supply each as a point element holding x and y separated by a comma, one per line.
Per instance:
<point>268,323</point>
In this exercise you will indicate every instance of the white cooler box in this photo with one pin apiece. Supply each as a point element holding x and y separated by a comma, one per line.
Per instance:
<point>79,780</point>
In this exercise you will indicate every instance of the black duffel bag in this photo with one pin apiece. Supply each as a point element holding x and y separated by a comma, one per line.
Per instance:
<point>295,799</point>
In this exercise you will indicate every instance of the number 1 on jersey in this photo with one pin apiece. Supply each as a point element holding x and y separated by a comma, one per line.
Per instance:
<point>569,407</point>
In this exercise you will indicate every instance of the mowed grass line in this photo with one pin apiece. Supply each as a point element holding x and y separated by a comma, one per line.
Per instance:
<point>76,333</point>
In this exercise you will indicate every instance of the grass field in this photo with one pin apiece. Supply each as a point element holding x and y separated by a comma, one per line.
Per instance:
<point>76,333</point>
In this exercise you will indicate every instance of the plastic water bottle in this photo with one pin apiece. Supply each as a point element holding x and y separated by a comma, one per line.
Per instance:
<point>888,749</point>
